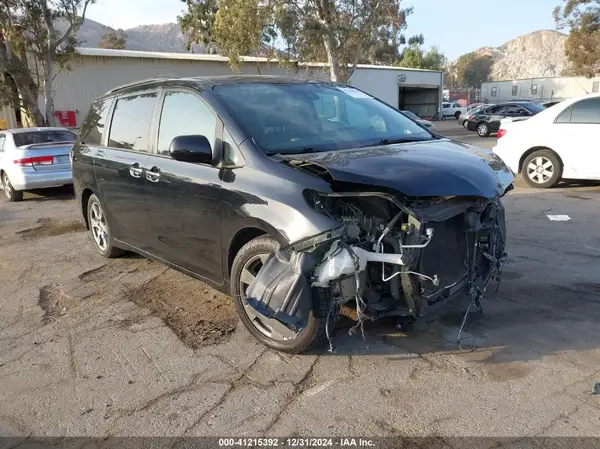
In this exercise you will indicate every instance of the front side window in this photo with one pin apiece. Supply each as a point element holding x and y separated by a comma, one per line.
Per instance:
<point>184,114</point>
<point>131,120</point>
<point>95,120</point>
<point>288,118</point>
<point>34,137</point>
<point>586,111</point>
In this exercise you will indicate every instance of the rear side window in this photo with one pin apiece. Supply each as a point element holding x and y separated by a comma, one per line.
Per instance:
<point>95,120</point>
<point>184,114</point>
<point>130,127</point>
<point>33,137</point>
<point>565,116</point>
<point>586,111</point>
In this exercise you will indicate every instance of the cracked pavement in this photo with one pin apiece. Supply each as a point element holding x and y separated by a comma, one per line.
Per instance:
<point>80,356</point>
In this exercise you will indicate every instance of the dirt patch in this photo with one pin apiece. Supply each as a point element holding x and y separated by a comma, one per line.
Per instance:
<point>199,315</point>
<point>47,227</point>
<point>52,302</point>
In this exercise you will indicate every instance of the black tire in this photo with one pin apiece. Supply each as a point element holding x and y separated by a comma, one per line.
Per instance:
<point>312,334</point>
<point>464,123</point>
<point>483,129</point>
<point>108,249</point>
<point>11,194</point>
<point>540,179</point>
<point>457,115</point>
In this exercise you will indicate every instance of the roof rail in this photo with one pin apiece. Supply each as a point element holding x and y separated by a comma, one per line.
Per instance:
<point>140,83</point>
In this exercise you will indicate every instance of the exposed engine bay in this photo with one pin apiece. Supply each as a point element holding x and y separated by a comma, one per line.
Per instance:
<point>392,256</point>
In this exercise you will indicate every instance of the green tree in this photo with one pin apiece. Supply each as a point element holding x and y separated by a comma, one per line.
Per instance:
<point>198,21</point>
<point>472,69</point>
<point>341,32</point>
<point>415,58</point>
<point>116,39</point>
<point>582,48</point>
<point>38,40</point>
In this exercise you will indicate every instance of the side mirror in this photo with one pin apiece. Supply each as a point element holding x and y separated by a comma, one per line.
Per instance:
<point>194,148</point>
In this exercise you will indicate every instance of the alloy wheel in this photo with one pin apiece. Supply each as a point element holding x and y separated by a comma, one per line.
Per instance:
<point>540,169</point>
<point>6,186</point>
<point>99,226</point>
<point>482,129</point>
<point>249,272</point>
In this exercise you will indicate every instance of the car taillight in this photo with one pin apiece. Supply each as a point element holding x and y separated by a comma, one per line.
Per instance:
<point>31,161</point>
<point>501,133</point>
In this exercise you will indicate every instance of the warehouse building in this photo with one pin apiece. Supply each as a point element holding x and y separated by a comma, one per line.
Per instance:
<point>98,70</point>
<point>539,89</point>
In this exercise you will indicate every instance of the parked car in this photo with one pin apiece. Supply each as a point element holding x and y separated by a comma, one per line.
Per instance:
<point>34,158</point>
<point>416,118</point>
<point>280,191</point>
<point>463,118</point>
<point>452,109</point>
<point>487,121</point>
<point>559,142</point>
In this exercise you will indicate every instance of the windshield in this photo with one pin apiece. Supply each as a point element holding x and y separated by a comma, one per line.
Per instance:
<point>32,137</point>
<point>534,108</point>
<point>412,115</point>
<point>292,118</point>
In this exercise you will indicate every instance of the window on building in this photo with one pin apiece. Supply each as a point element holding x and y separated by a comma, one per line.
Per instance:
<point>130,125</point>
<point>95,120</point>
<point>494,90</point>
<point>595,86</point>
<point>586,111</point>
<point>515,91</point>
<point>184,114</point>
<point>534,89</point>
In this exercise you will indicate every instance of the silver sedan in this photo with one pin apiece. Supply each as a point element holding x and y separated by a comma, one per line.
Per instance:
<point>34,158</point>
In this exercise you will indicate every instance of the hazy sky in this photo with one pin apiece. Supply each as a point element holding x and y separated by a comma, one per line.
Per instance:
<point>455,26</point>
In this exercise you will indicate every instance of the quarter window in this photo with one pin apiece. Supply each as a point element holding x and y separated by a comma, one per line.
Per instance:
<point>130,126</point>
<point>184,114</point>
<point>565,116</point>
<point>586,111</point>
<point>93,126</point>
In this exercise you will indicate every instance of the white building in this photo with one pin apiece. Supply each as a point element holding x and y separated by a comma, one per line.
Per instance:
<point>98,70</point>
<point>541,89</point>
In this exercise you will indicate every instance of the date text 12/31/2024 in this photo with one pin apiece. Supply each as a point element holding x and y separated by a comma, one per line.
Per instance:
<point>295,442</point>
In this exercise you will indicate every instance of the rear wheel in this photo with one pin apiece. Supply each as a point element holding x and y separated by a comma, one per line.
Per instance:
<point>483,129</point>
<point>542,169</point>
<point>9,191</point>
<point>100,230</point>
<point>246,265</point>
<point>457,115</point>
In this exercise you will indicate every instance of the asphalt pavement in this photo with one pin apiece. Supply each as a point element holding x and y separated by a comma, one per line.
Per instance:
<point>81,356</point>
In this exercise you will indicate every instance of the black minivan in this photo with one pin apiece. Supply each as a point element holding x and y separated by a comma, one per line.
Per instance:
<point>219,177</point>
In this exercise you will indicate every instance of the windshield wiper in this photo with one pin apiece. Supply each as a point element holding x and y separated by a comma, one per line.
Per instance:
<point>302,150</point>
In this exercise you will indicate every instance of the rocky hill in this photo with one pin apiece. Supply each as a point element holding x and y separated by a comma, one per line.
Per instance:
<point>536,54</point>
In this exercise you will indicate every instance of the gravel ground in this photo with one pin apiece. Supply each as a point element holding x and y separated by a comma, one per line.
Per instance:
<point>98,347</point>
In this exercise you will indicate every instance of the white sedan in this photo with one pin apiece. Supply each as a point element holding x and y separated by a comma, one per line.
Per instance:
<point>561,142</point>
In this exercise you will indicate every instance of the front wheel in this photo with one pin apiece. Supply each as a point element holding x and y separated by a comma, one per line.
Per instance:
<point>9,191</point>
<point>246,265</point>
<point>457,115</point>
<point>100,229</point>
<point>542,169</point>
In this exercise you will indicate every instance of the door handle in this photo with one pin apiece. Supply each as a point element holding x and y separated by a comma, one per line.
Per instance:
<point>136,171</point>
<point>153,175</point>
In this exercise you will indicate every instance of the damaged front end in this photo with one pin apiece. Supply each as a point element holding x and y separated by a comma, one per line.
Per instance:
<point>391,255</point>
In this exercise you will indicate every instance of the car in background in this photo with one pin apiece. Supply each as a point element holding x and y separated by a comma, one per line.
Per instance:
<point>560,142</point>
<point>488,120</point>
<point>464,117</point>
<point>34,158</point>
<point>421,121</point>
<point>452,109</point>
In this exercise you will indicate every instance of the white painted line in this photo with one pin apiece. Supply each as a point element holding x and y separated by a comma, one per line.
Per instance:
<point>559,218</point>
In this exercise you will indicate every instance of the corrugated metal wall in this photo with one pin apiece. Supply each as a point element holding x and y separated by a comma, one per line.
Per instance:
<point>92,76</point>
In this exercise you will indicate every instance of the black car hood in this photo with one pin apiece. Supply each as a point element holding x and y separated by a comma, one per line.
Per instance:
<point>430,168</point>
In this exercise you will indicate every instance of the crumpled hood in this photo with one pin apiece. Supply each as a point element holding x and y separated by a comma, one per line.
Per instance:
<point>431,168</point>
